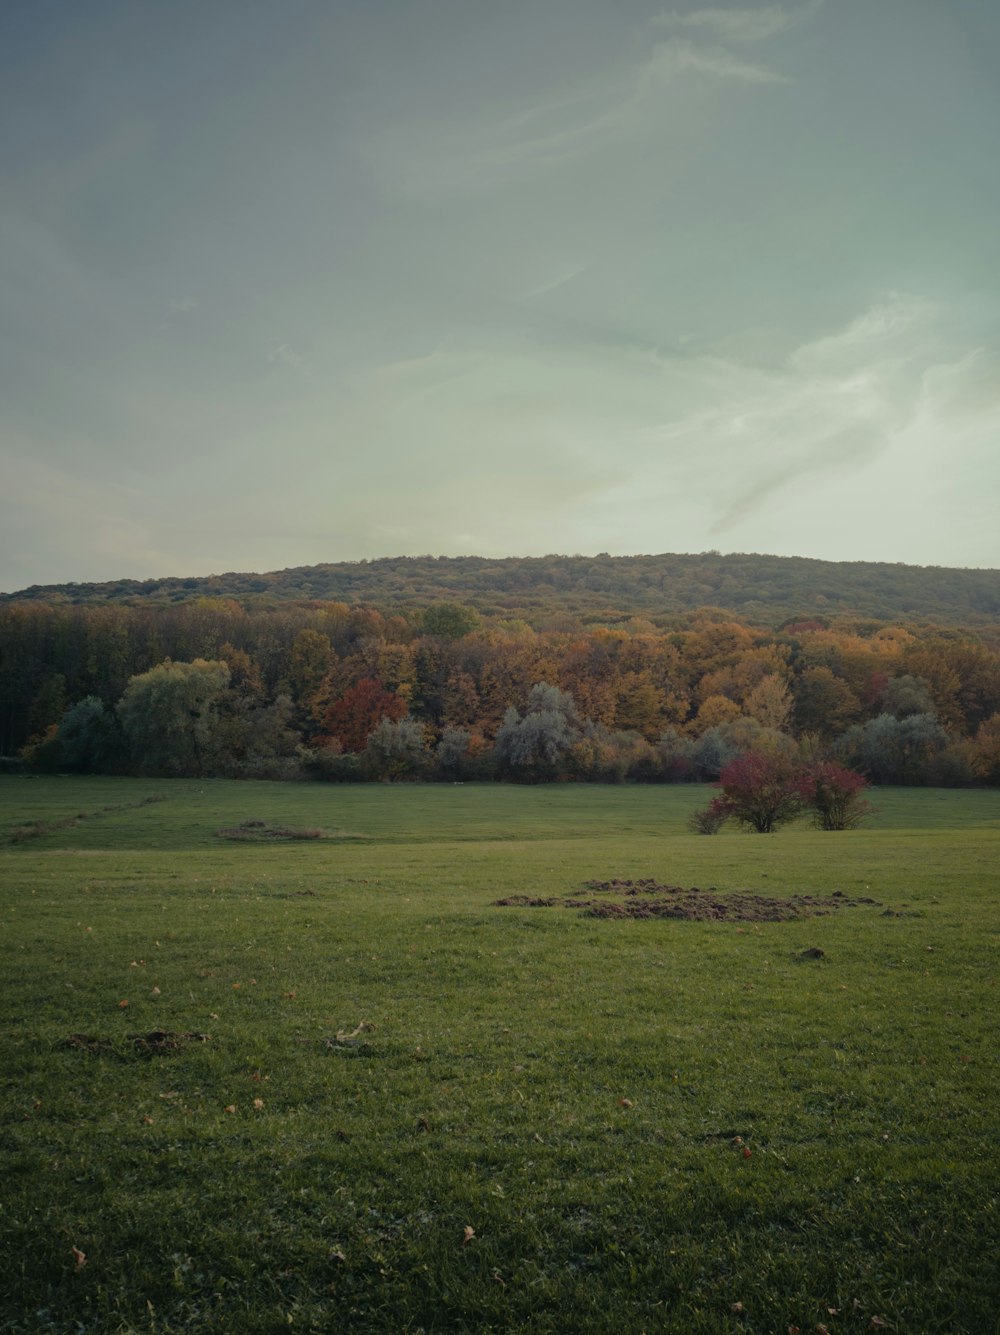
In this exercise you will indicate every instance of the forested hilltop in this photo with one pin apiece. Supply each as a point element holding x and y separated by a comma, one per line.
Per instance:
<point>765,589</point>
<point>586,673</point>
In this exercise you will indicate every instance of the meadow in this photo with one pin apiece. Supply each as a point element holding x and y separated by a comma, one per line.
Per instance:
<point>327,1084</point>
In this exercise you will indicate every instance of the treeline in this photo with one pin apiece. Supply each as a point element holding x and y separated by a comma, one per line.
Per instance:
<point>544,590</point>
<point>213,687</point>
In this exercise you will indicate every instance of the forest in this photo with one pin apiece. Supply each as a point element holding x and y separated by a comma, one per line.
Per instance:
<point>441,689</point>
<point>766,589</point>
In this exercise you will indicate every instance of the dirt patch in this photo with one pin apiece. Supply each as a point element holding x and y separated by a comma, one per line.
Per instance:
<point>258,832</point>
<point>651,899</point>
<point>146,1045</point>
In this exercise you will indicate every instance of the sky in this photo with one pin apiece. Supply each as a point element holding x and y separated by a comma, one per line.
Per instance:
<point>323,280</point>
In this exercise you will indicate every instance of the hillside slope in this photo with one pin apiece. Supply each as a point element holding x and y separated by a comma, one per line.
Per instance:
<point>767,589</point>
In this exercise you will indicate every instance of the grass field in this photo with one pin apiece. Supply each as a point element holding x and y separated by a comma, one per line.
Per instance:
<point>577,1092</point>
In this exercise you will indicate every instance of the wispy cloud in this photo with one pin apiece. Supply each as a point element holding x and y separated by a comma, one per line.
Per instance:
<point>657,441</point>
<point>837,405</point>
<point>558,280</point>
<point>284,355</point>
<point>622,104</point>
<point>736,25</point>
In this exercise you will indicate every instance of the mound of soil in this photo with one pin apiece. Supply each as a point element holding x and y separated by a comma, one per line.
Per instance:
<point>158,1040</point>
<point>650,899</point>
<point>258,831</point>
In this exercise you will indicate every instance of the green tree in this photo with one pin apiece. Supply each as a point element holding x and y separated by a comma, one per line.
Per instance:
<point>395,750</point>
<point>170,718</point>
<point>538,747</point>
<point>89,740</point>
<point>904,696</point>
<point>449,620</point>
<point>824,703</point>
<point>895,750</point>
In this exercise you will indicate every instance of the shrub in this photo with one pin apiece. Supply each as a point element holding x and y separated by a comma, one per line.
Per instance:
<point>834,795</point>
<point>760,791</point>
<point>710,819</point>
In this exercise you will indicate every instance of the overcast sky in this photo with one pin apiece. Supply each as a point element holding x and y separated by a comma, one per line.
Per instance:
<point>316,280</point>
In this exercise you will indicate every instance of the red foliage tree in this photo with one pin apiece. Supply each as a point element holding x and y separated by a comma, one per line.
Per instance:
<point>760,791</point>
<point>833,793</point>
<point>355,716</point>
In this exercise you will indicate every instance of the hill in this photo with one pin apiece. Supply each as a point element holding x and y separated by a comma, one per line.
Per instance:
<point>766,589</point>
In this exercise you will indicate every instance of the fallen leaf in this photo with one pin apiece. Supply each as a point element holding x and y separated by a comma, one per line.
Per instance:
<point>736,1307</point>
<point>747,1151</point>
<point>290,996</point>
<point>625,1103</point>
<point>834,1311</point>
<point>468,1234</point>
<point>230,1107</point>
<point>821,1329</point>
<point>878,1323</point>
<point>212,1015</point>
<point>336,1254</point>
<point>258,1104</point>
<point>148,1121</point>
<point>793,1330</point>
<point>79,1257</point>
<point>156,991</point>
<point>123,1004</point>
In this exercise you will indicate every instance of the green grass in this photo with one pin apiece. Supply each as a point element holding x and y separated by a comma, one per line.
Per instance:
<point>489,1093</point>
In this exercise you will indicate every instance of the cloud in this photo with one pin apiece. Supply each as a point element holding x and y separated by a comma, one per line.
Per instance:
<point>499,441</point>
<point>735,25</point>
<point>283,355</point>
<point>838,405</point>
<point>671,443</point>
<point>558,280</point>
<point>623,104</point>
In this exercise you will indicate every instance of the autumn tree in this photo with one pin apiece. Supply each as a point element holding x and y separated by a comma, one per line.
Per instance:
<point>833,794</point>
<point>770,702</point>
<point>986,751</point>
<point>355,716</point>
<point>824,704</point>
<point>760,791</point>
<point>308,664</point>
